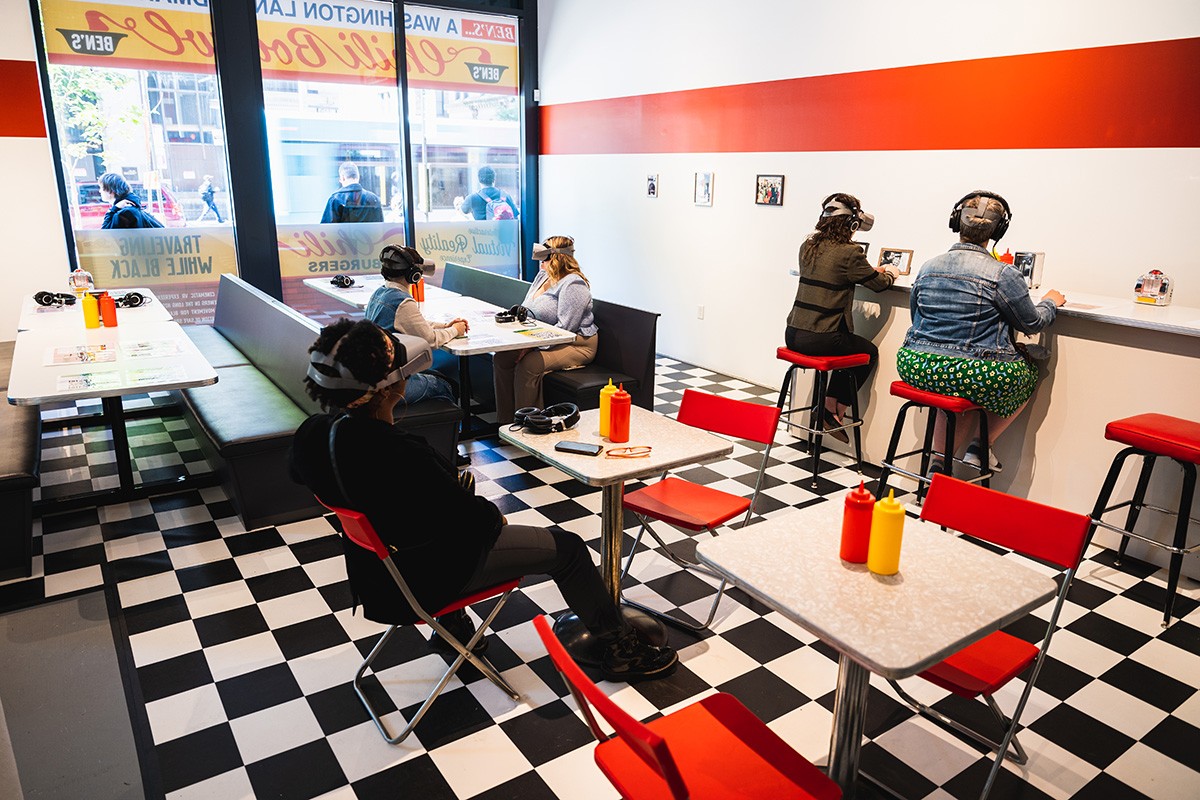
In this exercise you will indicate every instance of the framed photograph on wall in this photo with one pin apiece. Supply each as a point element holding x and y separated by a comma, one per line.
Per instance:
<point>900,259</point>
<point>769,190</point>
<point>652,186</point>
<point>704,188</point>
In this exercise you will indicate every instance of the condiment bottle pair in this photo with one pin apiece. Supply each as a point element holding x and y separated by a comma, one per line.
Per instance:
<point>872,532</point>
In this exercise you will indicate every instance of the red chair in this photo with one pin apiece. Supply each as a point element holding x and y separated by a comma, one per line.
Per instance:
<point>358,529</point>
<point>981,669</point>
<point>692,507</point>
<point>713,748</point>
<point>823,367</point>
<point>945,404</point>
<point>1151,436</point>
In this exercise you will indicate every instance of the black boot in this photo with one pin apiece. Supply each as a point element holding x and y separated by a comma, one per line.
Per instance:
<point>458,625</point>
<point>627,657</point>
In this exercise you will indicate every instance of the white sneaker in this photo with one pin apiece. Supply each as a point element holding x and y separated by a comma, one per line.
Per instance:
<point>972,457</point>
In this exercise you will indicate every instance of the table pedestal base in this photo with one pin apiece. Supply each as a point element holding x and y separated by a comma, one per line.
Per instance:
<point>585,648</point>
<point>849,716</point>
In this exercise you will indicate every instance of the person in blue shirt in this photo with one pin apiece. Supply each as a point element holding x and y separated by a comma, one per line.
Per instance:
<point>965,306</point>
<point>475,205</point>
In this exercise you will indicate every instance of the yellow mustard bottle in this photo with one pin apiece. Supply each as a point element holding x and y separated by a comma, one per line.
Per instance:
<point>606,406</point>
<point>91,311</point>
<point>887,529</point>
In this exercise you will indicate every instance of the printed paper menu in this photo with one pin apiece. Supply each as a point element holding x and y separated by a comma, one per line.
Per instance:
<point>80,354</point>
<point>100,381</point>
<point>150,348</point>
<point>146,376</point>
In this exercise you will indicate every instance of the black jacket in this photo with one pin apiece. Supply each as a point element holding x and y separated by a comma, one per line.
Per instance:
<point>353,203</point>
<point>415,503</point>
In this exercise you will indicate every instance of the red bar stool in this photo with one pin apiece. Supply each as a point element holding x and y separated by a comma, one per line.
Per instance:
<point>945,404</point>
<point>823,365</point>
<point>1150,436</point>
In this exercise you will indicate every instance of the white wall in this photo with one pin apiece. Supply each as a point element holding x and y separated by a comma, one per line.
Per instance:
<point>1088,209</point>
<point>31,227</point>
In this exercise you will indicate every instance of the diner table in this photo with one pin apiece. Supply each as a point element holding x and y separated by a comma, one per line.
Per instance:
<point>364,286</point>
<point>672,444</point>
<point>57,363</point>
<point>948,593</point>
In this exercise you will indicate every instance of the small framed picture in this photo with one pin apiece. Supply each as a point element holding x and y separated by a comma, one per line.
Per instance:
<point>651,186</point>
<point>704,188</point>
<point>769,190</point>
<point>900,259</point>
<point>864,246</point>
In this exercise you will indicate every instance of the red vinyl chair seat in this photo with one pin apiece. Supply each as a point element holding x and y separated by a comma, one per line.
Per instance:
<point>723,751</point>
<point>823,363</point>
<point>983,667</point>
<point>1159,434</point>
<point>945,402</point>
<point>685,504</point>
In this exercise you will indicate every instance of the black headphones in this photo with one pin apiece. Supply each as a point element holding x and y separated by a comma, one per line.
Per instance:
<point>400,262</point>
<point>515,314</point>
<point>54,299</point>
<point>342,281</point>
<point>551,419</point>
<point>131,300</point>
<point>858,217</point>
<point>1001,226</point>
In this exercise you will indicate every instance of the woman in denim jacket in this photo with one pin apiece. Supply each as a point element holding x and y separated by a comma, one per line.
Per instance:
<point>820,323</point>
<point>965,305</point>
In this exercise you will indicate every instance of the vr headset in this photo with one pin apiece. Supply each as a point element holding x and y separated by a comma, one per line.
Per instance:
<point>861,220</point>
<point>54,299</point>
<point>398,262</point>
<point>551,419</point>
<point>962,210</point>
<point>342,281</point>
<point>515,314</point>
<point>412,354</point>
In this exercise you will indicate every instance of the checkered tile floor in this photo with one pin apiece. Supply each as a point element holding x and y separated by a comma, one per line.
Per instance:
<point>243,645</point>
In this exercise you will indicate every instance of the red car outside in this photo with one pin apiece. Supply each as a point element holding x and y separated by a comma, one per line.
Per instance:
<point>159,202</point>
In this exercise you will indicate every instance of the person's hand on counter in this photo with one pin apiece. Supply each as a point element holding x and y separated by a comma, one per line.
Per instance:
<point>1056,297</point>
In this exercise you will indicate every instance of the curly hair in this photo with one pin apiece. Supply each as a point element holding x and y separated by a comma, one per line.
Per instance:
<point>363,351</point>
<point>559,265</point>
<point>835,229</point>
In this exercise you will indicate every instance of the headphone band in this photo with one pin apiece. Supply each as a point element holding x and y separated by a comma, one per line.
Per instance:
<point>551,419</point>
<point>1001,224</point>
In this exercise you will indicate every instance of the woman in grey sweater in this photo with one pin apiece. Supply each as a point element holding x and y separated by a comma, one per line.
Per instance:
<point>560,296</point>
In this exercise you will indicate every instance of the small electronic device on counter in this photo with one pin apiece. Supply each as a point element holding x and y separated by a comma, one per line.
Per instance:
<point>1154,289</point>
<point>1030,265</point>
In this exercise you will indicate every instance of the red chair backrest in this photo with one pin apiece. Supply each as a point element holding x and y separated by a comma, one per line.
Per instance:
<point>648,745</point>
<point>724,415</point>
<point>1029,528</point>
<point>358,529</point>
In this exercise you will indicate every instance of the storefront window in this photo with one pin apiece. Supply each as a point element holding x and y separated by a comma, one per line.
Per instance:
<point>465,122</point>
<point>135,93</point>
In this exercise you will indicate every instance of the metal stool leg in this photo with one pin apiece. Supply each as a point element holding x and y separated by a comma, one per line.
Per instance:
<point>1181,529</point>
<point>1106,489</point>
<point>857,419</point>
<point>890,458</point>
<point>985,466</point>
<point>787,385</point>
<point>820,386</point>
<point>1135,506</point>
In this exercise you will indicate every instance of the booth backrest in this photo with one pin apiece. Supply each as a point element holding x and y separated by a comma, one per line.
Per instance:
<point>273,336</point>
<point>627,345</point>
<point>491,287</point>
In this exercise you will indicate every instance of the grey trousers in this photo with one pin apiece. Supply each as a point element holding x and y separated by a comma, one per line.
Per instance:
<point>518,374</point>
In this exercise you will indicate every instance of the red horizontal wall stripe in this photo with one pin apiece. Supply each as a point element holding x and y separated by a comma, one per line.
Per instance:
<point>21,99</point>
<point>1139,95</point>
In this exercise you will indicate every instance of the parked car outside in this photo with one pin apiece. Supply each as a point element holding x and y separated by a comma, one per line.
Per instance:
<point>159,202</point>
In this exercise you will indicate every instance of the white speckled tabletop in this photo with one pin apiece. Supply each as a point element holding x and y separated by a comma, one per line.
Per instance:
<point>947,594</point>
<point>674,444</point>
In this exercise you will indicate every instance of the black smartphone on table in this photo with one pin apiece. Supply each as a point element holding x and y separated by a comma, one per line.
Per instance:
<point>583,448</point>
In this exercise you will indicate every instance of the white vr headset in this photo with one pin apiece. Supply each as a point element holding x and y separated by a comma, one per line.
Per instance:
<point>412,355</point>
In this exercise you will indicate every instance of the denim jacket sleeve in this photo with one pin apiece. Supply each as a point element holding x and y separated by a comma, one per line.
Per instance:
<point>1012,298</point>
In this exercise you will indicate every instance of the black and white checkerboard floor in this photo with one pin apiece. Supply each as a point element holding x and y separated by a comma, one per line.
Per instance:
<point>243,645</point>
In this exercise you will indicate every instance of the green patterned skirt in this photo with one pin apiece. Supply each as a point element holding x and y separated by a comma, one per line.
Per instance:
<point>999,386</point>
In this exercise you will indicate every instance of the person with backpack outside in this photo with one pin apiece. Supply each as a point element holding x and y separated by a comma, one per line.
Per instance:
<point>489,202</point>
<point>126,210</point>
<point>207,191</point>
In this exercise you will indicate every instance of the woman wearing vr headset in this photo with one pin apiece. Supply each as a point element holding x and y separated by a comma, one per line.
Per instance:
<point>965,305</point>
<point>453,541</point>
<point>392,308</point>
<point>560,296</point>
<point>820,323</point>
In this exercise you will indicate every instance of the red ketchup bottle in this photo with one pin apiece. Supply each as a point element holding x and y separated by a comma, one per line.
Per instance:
<point>108,310</point>
<point>856,525</point>
<point>618,415</point>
